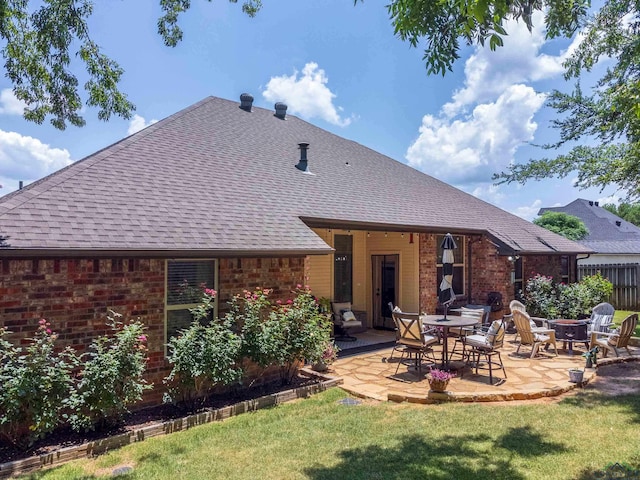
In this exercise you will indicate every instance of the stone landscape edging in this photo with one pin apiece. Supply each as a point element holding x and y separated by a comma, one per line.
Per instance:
<point>97,447</point>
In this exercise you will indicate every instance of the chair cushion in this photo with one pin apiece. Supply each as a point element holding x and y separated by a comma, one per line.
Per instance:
<point>396,309</point>
<point>540,337</point>
<point>348,315</point>
<point>494,328</point>
<point>600,323</point>
<point>478,341</point>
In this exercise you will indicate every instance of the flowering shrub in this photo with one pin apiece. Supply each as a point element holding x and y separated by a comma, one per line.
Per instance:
<point>284,334</point>
<point>330,353</point>
<point>34,382</point>
<point>110,379</point>
<point>201,357</point>
<point>440,375</point>
<point>544,298</point>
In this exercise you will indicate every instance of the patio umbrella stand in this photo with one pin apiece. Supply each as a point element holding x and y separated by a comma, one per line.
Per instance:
<point>447,296</point>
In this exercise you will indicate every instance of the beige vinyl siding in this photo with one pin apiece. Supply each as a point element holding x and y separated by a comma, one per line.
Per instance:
<point>394,244</point>
<point>320,268</point>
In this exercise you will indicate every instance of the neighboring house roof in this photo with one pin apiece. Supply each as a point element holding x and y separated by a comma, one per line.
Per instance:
<point>608,233</point>
<point>216,179</point>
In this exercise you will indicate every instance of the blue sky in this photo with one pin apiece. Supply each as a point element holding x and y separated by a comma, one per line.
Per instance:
<point>336,65</point>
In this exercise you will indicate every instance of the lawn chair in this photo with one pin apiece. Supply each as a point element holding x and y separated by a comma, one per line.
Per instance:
<point>412,340</point>
<point>538,324</point>
<point>541,336</point>
<point>601,318</point>
<point>612,341</point>
<point>483,348</point>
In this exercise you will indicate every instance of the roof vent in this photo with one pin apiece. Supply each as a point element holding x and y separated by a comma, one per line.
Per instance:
<point>246,101</point>
<point>303,164</point>
<point>618,223</point>
<point>590,203</point>
<point>281,110</point>
<point>596,204</point>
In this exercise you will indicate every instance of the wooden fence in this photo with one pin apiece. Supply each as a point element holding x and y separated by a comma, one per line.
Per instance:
<point>624,277</point>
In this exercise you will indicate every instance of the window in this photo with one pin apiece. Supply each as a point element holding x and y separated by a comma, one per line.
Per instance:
<point>343,268</point>
<point>458,264</point>
<point>186,280</point>
<point>564,269</point>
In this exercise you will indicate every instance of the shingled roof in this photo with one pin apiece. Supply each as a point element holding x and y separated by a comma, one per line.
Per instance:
<point>214,179</point>
<point>608,233</point>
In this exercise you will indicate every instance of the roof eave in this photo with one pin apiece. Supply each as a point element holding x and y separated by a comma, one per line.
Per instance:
<point>46,253</point>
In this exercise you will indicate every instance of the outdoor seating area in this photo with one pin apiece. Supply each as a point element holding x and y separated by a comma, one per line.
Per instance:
<point>378,375</point>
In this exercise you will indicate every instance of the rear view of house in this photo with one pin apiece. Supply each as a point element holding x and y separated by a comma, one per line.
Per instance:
<point>236,197</point>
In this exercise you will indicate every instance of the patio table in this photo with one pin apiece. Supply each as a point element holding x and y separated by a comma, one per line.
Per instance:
<point>446,324</point>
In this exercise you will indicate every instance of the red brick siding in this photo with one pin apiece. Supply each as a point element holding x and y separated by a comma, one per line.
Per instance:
<point>74,295</point>
<point>549,265</point>
<point>490,272</point>
<point>427,273</point>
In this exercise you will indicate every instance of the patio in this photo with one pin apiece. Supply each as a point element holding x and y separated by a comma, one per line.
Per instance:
<point>371,374</point>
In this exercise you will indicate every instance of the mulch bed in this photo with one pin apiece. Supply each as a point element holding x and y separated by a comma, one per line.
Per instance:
<point>65,437</point>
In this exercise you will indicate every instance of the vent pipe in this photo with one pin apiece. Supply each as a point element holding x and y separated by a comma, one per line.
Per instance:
<point>20,185</point>
<point>596,204</point>
<point>618,223</point>
<point>246,101</point>
<point>303,164</point>
<point>590,203</point>
<point>281,110</point>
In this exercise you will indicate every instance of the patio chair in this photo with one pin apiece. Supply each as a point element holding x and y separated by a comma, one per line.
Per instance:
<point>612,341</point>
<point>601,318</point>
<point>343,320</point>
<point>483,348</point>
<point>530,337</point>
<point>460,334</point>
<point>412,340</point>
<point>538,324</point>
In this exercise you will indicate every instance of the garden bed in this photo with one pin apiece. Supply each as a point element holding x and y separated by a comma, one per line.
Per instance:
<point>65,445</point>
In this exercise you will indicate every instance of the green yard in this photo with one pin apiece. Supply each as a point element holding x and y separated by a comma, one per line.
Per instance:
<point>621,315</point>
<point>321,439</point>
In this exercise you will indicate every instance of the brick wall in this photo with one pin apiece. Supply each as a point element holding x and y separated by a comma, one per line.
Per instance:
<point>427,273</point>
<point>490,272</point>
<point>74,295</point>
<point>549,265</point>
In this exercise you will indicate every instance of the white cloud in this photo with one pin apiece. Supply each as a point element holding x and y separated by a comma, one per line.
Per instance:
<point>306,95</point>
<point>9,104</point>
<point>528,212</point>
<point>488,73</point>
<point>28,159</point>
<point>137,123</point>
<point>611,199</point>
<point>471,148</point>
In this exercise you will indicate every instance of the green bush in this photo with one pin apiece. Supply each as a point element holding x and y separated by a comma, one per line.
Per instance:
<point>284,334</point>
<point>544,298</point>
<point>201,357</point>
<point>111,376</point>
<point>35,381</point>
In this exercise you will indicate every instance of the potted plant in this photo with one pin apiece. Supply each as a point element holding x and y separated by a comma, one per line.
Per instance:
<point>576,375</point>
<point>327,357</point>
<point>591,357</point>
<point>439,379</point>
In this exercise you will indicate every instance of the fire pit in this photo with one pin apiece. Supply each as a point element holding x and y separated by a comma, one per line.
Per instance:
<point>570,332</point>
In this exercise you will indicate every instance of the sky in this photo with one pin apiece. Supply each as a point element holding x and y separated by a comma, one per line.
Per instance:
<point>336,65</point>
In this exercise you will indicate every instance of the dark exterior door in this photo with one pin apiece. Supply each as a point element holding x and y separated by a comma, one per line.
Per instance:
<point>385,288</point>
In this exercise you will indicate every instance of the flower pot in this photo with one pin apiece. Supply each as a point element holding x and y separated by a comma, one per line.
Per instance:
<point>576,376</point>
<point>438,385</point>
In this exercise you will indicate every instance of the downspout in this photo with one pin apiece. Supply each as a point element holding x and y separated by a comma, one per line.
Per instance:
<point>576,264</point>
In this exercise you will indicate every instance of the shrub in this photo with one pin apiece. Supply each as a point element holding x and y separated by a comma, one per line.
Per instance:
<point>544,298</point>
<point>35,381</point>
<point>110,379</point>
<point>201,357</point>
<point>284,334</point>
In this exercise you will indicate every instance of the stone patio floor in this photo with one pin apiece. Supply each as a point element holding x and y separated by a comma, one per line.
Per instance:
<point>371,375</point>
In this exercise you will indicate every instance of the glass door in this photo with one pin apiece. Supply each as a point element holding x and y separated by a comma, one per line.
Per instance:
<point>385,287</point>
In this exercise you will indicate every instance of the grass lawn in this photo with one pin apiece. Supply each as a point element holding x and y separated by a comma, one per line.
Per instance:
<point>620,315</point>
<point>320,439</point>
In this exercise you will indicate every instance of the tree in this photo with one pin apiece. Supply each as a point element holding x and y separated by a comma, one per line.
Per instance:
<point>627,211</point>
<point>609,117</point>
<point>38,41</point>
<point>563,224</point>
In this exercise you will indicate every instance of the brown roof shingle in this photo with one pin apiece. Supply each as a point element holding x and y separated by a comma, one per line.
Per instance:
<point>216,179</point>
